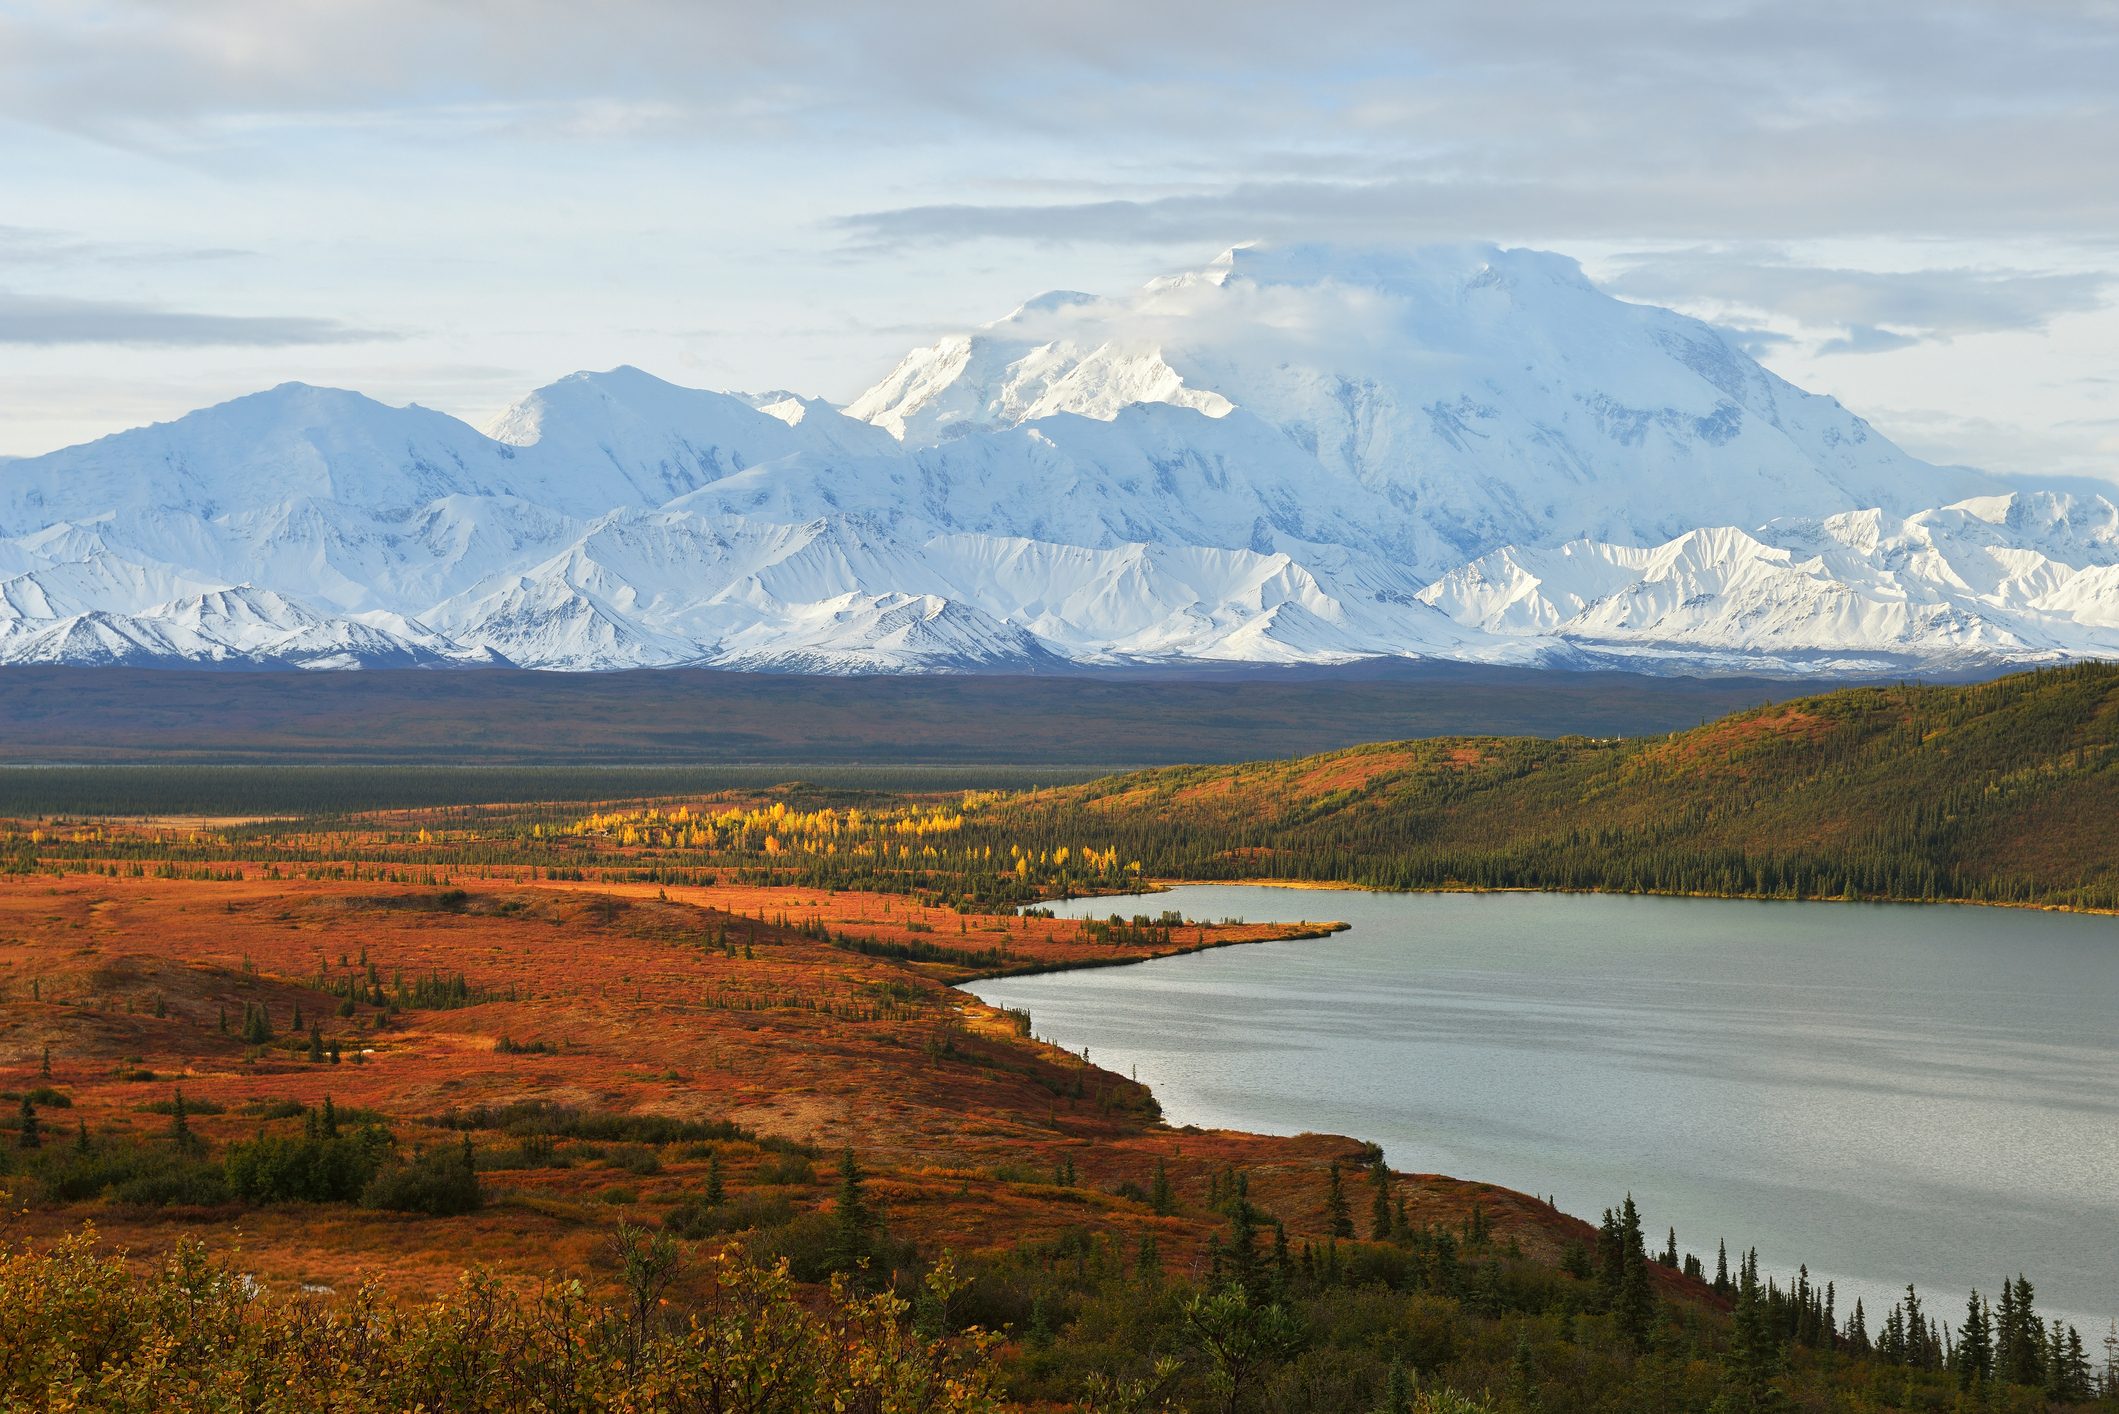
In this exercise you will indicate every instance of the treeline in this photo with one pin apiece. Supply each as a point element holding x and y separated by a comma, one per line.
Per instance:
<point>1384,1309</point>
<point>1999,792</point>
<point>313,792</point>
<point>1380,1311</point>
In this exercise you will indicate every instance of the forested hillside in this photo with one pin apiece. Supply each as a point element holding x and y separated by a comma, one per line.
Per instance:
<point>2002,791</point>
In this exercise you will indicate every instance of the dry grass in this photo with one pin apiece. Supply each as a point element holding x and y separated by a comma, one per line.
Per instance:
<point>636,989</point>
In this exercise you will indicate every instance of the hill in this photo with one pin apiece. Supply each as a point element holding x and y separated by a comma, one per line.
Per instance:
<point>610,1056</point>
<point>2002,792</point>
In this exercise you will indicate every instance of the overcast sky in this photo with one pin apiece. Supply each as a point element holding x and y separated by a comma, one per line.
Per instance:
<point>1912,204</point>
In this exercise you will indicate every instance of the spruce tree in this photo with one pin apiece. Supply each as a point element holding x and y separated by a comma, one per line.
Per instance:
<point>715,1192</point>
<point>1380,1202</point>
<point>1975,1344</point>
<point>1611,1260</point>
<point>1244,1266</point>
<point>1397,1391</point>
<point>2076,1384</point>
<point>2005,1332</point>
<point>1161,1197</point>
<point>852,1220</point>
<point>2019,1336</point>
<point>1522,1372</point>
<point>180,1126</point>
<point>1635,1299</point>
<point>31,1135</point>
<point>1754,1349</point>
<point>1338,1218</point>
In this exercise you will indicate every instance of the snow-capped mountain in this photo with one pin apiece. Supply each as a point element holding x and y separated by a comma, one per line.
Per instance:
<point>1302,455</point>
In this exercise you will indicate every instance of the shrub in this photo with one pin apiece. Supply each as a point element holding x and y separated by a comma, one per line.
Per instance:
<point>604,1126</point>
<point>441,1182</point>
<point>790,1169</point>
<point>87,1330</point>
<point>695,1218</point>
<point>313,1168</point>
<point>633,1158</point>
<point>128,1171</point>
<point>191,1107</point>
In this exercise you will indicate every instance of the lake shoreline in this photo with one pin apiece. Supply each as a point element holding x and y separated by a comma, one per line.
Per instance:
<point>1557,1031</point>
<point>1164,885</point>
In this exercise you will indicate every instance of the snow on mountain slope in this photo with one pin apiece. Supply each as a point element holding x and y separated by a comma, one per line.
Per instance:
<point>1021,368</point>
<point>1289,455</point>
<point>241,625</point>
<point>1491,396</point>
<point>712,587</point>
<point>594,441</point>
<point>1853,591</point>
<point>882,632</point>
<point>1152,473</point>
<point>293,441</point>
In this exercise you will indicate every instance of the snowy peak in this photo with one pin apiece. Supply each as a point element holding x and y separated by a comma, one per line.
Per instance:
<point>291,441</point>
<point>592,441</point>
<point>1492,395</point>
<point>1050,355</point>
<point>1291,454</point>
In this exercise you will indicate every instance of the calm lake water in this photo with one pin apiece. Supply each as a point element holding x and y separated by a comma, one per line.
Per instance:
<point>1888,1093</point>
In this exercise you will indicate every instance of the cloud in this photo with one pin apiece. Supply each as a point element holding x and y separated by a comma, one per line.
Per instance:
<point>1873,309</point>
<point>49,320</point>
<point>1757,342</point>
<point>1543,119</point>
<point>31,245</point>
<point>1867,338</point>
<point>2049,451</point>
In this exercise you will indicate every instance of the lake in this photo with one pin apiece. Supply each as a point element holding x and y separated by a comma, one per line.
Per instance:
<point>1890,1093</point>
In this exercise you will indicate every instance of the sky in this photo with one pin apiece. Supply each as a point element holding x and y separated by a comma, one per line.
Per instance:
<point>1910,204</point>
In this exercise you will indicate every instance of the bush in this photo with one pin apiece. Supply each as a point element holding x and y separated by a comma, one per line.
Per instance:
<point>810,1245</point>
<point>633,1158</point>
<point>314,1168</point>
<point>179,1185</point>
<point>86,1330</point>
<point>441,1182</point>
<point>127,1171</point>
<point>790,1169</point>
<point>191,1107</point>
<point>604,1126</point>
<point>694,1218</point>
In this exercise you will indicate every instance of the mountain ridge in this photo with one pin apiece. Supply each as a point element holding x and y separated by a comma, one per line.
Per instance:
<point>1303,455</point>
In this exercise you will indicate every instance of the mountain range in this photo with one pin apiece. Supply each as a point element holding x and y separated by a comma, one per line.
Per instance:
<point>1291,455</point>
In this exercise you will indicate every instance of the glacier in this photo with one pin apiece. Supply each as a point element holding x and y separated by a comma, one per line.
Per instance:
<point>1297,455</point>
